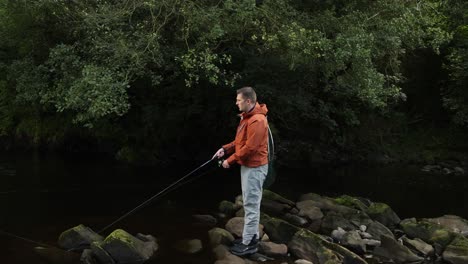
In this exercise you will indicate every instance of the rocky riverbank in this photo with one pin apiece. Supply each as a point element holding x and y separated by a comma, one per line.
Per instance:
<point>314,229</point>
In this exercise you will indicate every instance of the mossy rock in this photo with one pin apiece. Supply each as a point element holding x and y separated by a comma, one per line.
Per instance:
<point>123,247</point>
<point>352,202</point>
<point>457,251</point>
<point>267,194</point>
<point>278,230</point>
<point>384,214</point>
<point>78,237</point>
<point>427,231</point>
<point>310,246</point>
<point>227,208</point>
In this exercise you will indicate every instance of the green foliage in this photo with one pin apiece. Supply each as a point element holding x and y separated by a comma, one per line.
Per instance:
<point>455,94</point>
<point>151,69</point>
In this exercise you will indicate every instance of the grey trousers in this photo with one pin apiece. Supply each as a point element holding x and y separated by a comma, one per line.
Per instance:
<point>252,188</point>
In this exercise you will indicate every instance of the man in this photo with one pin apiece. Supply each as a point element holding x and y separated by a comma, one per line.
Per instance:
<point>250,151</point>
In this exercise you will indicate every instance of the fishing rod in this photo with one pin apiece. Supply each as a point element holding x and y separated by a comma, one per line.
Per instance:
<point>166,190</point>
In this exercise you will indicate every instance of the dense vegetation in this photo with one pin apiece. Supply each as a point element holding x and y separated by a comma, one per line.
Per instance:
<point>154,80</point>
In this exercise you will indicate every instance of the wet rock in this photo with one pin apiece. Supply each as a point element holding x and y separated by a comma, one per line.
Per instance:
<point>427,231</point>
<point>457,251</point>
<point>376,230</point>
<point>240,212</point>
<point>207,220</point>
<point>295,220</point>
<point>384,214</point>
<point>238,202</point>
<point>189,246</point>
<point>123,247</point>
<point>315,225</point>
<point>324,203</point>
<point>333,220</point>
<point>227,208</point>
<point>309,246</point>
<point>78,237</point>
<point>267,194</point>
<point>353,241</point>
<point>306,209</point>
<point>235,225</point>
<point>273,249</point>
<point>392,250</point>
<point>371,242</point>
<point>352,202</point>
<point>365,235</point>
<point>100,254</point>
<point>302,261</point>
<point>218,236</point>
<point>278,230</point>
<point>338,234</point>
<point>453,223</point>
<point>274,208</point>
<point>87,257</point>
<point>419,246</point>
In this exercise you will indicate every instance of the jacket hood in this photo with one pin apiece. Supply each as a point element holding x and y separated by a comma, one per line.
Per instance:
<point>258,109</point>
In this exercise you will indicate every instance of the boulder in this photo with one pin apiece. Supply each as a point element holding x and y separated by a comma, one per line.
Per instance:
<point>324,203</point>
<point>267,194</point>
<point>353,241</point>
<point>273,249</point>
<point>278,230</point>
<point>274,208</point>
<point>306,209</point>
<point>312,247</point>
<point>457,251</point>
<point>384,214</point>
<point>419,246</point>
<point>333,220</point>
<point>100,254</point>
<point>427,231</point>
<point>352,202</point>
<point>376,229</point>
<point>123,247</point>
<point>295,219</point>
<point>390,249</point>
<point>227,208</point>
<point>453,223</point>
<point>219,236</point>
<point>235,225</point>
<point>78,237</point>
<point>205,220</point>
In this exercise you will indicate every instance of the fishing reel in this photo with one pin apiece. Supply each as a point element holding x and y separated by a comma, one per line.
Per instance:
<point>220,162</point>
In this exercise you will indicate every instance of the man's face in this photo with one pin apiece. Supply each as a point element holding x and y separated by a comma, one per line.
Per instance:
<point>242,103</point>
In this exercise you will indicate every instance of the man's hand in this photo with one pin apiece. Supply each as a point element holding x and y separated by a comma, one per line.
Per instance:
<point>219,154</point>
<point>225,164</point>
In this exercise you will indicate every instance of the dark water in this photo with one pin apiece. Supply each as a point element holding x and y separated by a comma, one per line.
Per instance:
<point>42,196</point>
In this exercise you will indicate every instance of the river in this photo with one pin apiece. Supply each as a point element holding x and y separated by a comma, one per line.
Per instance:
<point>43,195</point>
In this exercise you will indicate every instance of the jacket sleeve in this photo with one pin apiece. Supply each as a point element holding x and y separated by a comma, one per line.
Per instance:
<point>255,133</point>
<point>229,148</point>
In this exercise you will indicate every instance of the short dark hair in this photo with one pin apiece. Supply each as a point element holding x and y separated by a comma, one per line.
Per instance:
<point>248,93</point>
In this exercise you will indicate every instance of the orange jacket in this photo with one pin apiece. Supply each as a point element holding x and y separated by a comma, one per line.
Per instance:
<point>250,147</point>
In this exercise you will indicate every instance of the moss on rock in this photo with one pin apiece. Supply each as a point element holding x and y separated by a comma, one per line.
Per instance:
<point>427,231</point>
<point>352,202</point>
<point>267,194</point>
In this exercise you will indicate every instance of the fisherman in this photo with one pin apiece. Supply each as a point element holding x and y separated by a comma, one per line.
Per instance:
<point>250,150</point>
